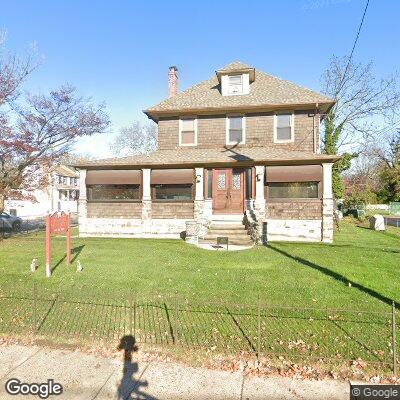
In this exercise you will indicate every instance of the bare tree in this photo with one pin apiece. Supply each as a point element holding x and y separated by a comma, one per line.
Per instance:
<point>387,152</point>
<point>13,71</point>
<point>362,180</point>
<point>361,101</point>
<point>135,139</point>
<point>35,135</point>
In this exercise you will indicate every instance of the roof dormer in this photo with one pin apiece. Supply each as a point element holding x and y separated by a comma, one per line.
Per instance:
<point>235,79</point>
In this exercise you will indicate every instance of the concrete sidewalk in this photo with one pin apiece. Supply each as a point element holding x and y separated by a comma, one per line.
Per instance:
<point>88,377</point>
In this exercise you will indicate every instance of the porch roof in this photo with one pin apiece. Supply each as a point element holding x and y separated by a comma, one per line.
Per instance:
<point>229,156</point>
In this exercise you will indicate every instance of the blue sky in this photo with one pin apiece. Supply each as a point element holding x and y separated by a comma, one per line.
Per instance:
<point>119,51</point>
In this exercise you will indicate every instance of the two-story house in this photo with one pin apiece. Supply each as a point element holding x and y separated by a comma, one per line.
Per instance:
<point>59,193</point>
<point>64,189</point>
<point>239,148</point>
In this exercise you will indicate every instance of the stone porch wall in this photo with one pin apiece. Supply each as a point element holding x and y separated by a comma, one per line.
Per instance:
<point>144,219</point>
<point>294,210</point>
<point>172,210</point>
<point>126,210</point>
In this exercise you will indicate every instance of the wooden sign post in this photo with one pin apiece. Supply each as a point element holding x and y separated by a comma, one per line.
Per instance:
<point>55,224</point>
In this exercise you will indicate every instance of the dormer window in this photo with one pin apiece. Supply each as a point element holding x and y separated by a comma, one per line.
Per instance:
<point>235,84</point>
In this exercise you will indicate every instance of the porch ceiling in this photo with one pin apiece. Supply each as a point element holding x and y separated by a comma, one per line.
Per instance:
<point>211,157</point>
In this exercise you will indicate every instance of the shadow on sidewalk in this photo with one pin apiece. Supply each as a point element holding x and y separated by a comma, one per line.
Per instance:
<point>130,387</point>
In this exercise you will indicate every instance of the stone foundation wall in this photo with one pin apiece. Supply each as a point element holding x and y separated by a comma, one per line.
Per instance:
<point>127,210</point>
<point>122,227</point>
<point>293,230</point>
<point>172,210</point>
<point>327,218</point>
<point>110,227</point>
<point>294,210</point>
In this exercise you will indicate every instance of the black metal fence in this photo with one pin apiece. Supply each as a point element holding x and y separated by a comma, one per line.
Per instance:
<point>297,334</point>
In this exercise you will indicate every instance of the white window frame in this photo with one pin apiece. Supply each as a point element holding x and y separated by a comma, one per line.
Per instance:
<point>195,132</point>
<point>291,140</point>
<point>225,84</point>
<point>241,84</point>
<point>227,129</point>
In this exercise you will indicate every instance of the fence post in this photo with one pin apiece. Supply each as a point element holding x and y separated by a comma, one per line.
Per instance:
<point>176,318</point>
<point>134,316</point>
<point>258,329</point>
<point>130,315</point>
<point>34,308</point>
<point>394,346</point>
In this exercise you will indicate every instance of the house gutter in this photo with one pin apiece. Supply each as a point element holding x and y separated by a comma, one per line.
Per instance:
<point>251,162</point>
<point>156,114</point>
<point>314,130</point>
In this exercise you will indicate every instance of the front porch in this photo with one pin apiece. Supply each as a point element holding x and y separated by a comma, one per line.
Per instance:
<point>186,202</point>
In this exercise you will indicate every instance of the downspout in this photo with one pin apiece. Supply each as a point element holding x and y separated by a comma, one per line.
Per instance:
<point>314,130</point>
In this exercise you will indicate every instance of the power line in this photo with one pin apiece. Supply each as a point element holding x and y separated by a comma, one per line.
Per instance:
<point>354,45</point>
<point>359,30</point>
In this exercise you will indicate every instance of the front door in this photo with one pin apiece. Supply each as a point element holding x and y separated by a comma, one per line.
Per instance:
<point>228,191</point>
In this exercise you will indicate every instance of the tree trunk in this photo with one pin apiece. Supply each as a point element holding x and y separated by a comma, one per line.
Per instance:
<point>2,201</point>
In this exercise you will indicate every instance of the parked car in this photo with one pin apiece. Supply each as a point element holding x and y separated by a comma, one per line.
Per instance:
<point>10,222</point>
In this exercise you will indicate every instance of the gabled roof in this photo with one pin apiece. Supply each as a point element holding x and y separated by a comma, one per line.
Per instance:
<point>266,91</point>
<point>64,170</point>
<point>235,66</point>
<point>219,156</point>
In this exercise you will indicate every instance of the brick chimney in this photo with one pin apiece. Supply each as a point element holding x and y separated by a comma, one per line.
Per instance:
<point>172,81</point>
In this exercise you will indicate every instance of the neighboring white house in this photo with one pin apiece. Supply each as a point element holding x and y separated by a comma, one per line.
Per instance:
<point>61,194</point>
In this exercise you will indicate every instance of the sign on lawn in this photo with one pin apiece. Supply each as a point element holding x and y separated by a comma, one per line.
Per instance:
<point>56,224</point>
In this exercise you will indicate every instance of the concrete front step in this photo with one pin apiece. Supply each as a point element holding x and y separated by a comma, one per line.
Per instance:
<point>228,217</point>
<point>247,242</point>
<point>213,235</point>
<point>227,228</point>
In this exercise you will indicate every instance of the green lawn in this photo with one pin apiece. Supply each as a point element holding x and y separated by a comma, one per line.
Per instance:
<point>284,273</point>
<point>302,300</point>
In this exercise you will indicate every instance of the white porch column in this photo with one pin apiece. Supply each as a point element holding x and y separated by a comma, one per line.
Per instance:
<point>199,183</point>
<point>146,200</point>
<point>146,174</point>
<point>327,203</point>
<point>82,201</point>
<point>199,195</point>
<point>259,204</point>
<point>260,171</point>
<point>82,184</point>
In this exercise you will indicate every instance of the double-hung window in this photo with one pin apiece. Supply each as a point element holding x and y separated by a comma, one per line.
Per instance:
<point>235,130</point>
<point>235,84</point>
<point>284,131</point>
<point>188,132</point>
